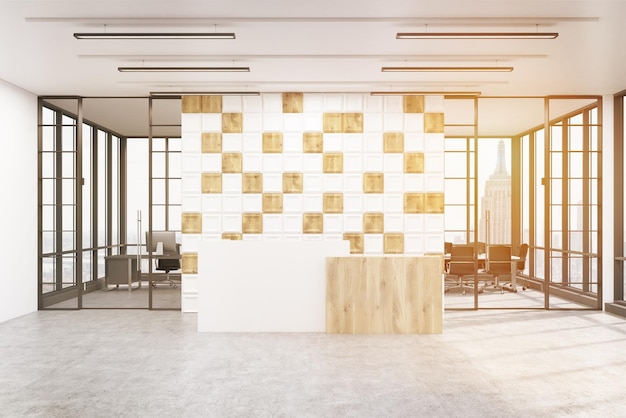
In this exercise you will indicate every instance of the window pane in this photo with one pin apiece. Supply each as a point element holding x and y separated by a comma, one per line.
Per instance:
<point>175,192</point>
<point>576,164</point>
<point>175,214</point>
<point>456,164</point>
<point>455,217</point>
<point>158,165</point>
<point>48,139</point>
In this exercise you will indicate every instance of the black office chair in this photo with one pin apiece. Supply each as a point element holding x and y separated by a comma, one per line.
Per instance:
<point>168,265</point>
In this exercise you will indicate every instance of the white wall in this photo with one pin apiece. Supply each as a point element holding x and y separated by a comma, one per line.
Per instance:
<point>18,188</point>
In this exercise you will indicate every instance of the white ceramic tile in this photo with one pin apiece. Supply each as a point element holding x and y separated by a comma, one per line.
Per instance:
<point>413,244</point>
<point>252,122</point>
<point>433,104</point>
<point>333,237</point>
<point>393,122</point>
<point>232,142</point>
<point>292,223</point>
<point>272,223</point>
<point>394,183</point>
<point>333,223</point>
<point>252,202</point>
<point>373,122</point>
<point>293,122</point>
<point>292,203</point>
<point>272,102</point>
<point>192,183</point>
<point>192,202</point>
<point>394,222</point>
<point>272,182</point>
<point>414,223</point>
<point>252,237</point>
<point>413,182</point>
<point>272,237</point>
<point>191,163</point>
<point>292,162</point>
<point>231,203</point>
<point>434,163</point>
<point>313,102</point>
<point>353,222</point>
<point>211,223</point>
<point>333,102</point>
<point>211,203</point>
<point>272,163</point>
<point>373,104</point>
<point>353,143</point>
<point>252,142</point>
<point>434,143</point>
<point>272,122</point>
<point>353,183</point>
<point>413,122</point>
<point>231,222</point>
<point>333,142</point>
<point>191,123</point>
<point>312,237</point>
<point>352,163</point>
<point>212,163</point>
<point>252,163</point>
<point>373,243</point>
<point>312,183</point>
<point>232,104</point>
<point>434,183</point>
<point>374,202</point>
<point>374,163</point>
<point>312,163</point>
<point>211,122</point>
<point>292,237</point>
<point>353,102</point>
<point>394,104</point>
<point>190,243</point>
<point>352,203</point>
<point>252,104</point>
<point>373,142</point>
<point>434,223</point>
<point>192,143</point>
<point>333,182</point>
<point>393,163</point>
<point>394,202</point>
<point>413,142</point>
<point>312,202</point>
<point>211,237</point>
<point>433,242</point>
<point>312,122</point>
<point>292,142</point>
<point>231,183</point>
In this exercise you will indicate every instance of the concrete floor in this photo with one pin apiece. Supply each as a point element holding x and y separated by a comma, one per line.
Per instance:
<point>137,363</point>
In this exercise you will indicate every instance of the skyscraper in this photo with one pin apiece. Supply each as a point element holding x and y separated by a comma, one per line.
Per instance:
<point>495,214</point>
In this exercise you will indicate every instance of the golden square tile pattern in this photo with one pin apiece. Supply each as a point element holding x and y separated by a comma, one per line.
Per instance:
<point>191,104</point>
<point>211,182</point>
<point>292,183</point>
<point>393,243</point>
<point>191,223</point>
<point>333,202</point>
<point>414,162</point>
<point>373,223</point>
<point>211,142</point>
<point>252,182</point>
<point>393,142</point>
<point>356,242</point>
<point>232,123</point>
<point>312,223</point>
<point>211,104</point>
<point>233,236</point>
<point>231,162</point>
<point>414,203</point>
<point>252,223</point>
<point>333,122</point>
<point>293,102</point>
<point>312,142</point>
<point>272,203</point>
<point>189,263</point>
<point>434,202</point>
<point>272,142</point>
<point>373,183</point>
<point>352,122</point>
<point>433,123</point>
<point>413,104</point>
<point>333,162</point>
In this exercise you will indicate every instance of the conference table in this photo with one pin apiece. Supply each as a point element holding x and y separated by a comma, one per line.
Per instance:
<point>483,262</point>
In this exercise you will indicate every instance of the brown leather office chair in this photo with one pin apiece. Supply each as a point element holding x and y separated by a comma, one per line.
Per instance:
<point>462,266</point>
<point>499,266</point>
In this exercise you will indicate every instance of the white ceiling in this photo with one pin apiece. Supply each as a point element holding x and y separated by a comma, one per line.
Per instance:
<point>313,46</point>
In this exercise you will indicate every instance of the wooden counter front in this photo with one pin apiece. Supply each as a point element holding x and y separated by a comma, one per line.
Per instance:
<point>384,295</point>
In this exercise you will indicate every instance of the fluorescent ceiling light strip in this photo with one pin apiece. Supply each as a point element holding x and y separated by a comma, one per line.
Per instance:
<point>203,93</point>
<point>182,69</point>
<point>447,69</point>
<point>476,35</point>
<point>425,93</point>
<point>154,35</point>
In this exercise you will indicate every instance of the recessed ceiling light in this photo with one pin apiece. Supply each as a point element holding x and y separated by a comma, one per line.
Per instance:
<point>447,69</point>
<point>476,35</point>
<point>182,69</point>
<point>154,35</point>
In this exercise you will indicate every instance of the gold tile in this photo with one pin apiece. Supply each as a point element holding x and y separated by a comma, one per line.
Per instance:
<point>413,104</point>
<point>312,223</point>
<point>333,162</point>
<point>393,243</point>
<point>272,142</point>
<point>272,203</point>
<point>252,223</point>
<point>233,236</point>
<point>292,102</point>
<point>191,223</point>
<point>353,122</point>
<point>231,162</point>
<point>211,183</point>
<point>252,182</point>
<point>312,142</point>
<point>373,223</point>
<point>434,202</point>
<point>356,242</point>
<point>393,142</point>
<point>292,183</point>
<point>211,142</point>
<point>433,123</point>
<point>333,202</point>
<point>414,203</point>
<point>232,123</point>
<point>189,263</point>
<point>191,104</point>
<point>373,183</point>
<point>414,162</point>
<point>211,104</point>
<point>333,122</point>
